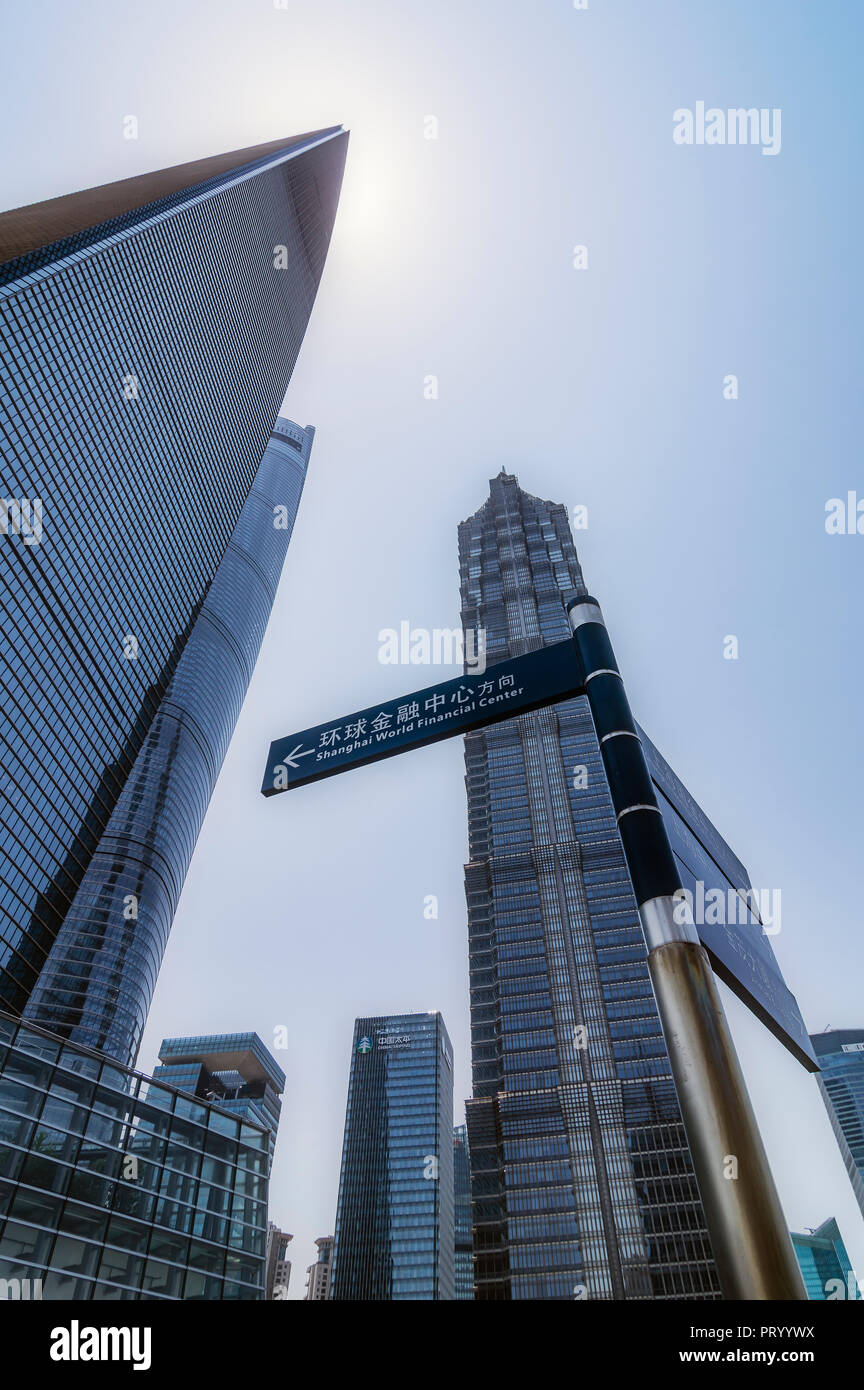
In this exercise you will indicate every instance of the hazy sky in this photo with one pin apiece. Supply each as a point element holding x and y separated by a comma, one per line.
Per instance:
<point>454,257</point>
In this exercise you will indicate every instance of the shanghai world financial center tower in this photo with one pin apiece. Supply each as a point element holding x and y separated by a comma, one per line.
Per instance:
<point>582,1181</point>
<point>148,331</point>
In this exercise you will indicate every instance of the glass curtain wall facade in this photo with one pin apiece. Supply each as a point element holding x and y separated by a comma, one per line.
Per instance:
<point>234,1070</point>
<point>582,1180</point>
<point>98,980</point>
<point>114,1186</point>
<point>144,354</point>
<point>841,1081</point>
<point>394,1221</point>
<point>825,1265</point>
<point>464,1267</point>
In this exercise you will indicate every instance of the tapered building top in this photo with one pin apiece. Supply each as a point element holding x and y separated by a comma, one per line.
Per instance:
<point>40,233</point>
<point>577,1152</point>
<point>145,358</point>
<point>517,564</point>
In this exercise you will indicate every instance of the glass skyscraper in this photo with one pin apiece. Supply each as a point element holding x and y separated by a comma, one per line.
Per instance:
<point>189,1211</point>
<point>234,1070</point>
<point>841,1056</point>
<point>98,979</point>
<point>582,1180</point>
<point>394,1221</point>
<point>148,331</point>
<point>825,1265</point>
<point>464,1268</point>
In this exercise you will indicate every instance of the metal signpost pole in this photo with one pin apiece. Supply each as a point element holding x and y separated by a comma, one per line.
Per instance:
<point>751,1244</point>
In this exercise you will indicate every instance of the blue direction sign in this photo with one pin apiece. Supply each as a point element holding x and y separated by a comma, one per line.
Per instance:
<point>732,918</point>
<point>440,711</point>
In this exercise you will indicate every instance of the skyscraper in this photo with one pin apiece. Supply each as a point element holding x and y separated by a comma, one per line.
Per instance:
<point>825,1265</point>
<point>464,1266</point>
<point>394,1221</point>
<point>234,1070</point>
<point>318,1275</point>
<point>148,330</point>
<point>278,1265</point>
<point>841,1056</point>
<point>582,1179</point>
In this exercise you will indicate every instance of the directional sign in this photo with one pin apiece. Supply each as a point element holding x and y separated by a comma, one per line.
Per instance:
<point>737,945</point>
<point>732,920</point>
<point>452,707</point>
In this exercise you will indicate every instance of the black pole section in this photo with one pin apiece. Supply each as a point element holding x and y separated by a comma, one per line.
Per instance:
<point>749,1236</point>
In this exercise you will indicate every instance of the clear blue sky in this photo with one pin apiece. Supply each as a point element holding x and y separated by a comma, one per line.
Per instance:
<point>604,387</point>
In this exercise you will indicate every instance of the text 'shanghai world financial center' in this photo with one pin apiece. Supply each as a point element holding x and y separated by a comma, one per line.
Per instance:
<point>148,331</point>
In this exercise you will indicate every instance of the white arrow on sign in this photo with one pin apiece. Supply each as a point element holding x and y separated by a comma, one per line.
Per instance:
<point>295,753</point>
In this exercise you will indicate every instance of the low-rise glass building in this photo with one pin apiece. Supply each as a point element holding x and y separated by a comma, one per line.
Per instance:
<point>116,1186</point>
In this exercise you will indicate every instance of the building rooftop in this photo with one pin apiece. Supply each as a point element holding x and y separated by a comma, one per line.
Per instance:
<point>29,228</point>
<point>244,1053</point>
<point>834,1039</point>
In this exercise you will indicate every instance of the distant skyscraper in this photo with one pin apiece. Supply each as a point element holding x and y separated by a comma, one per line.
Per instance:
<point>148,331</point>
<point>394,1221</point>
<point>234,1070</point>
<point>98,979</point>
<point>318,1275</point>
<point>841,1056</point>
<point>825,1265</point>
<point>464,1267</point>
<point>278,1265</point>
<point>583,1183</point>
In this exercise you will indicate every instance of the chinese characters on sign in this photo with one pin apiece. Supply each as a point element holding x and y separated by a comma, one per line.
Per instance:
<point>385,1039</point>
<point>361,731</point>
<point>452,707</point>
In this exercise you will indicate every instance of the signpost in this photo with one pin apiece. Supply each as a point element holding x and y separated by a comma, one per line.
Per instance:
<point>749,1237</point>
<point>468,702</point>
<point>738,948</point>
<point>730,918</point>
<point>663,844</point>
